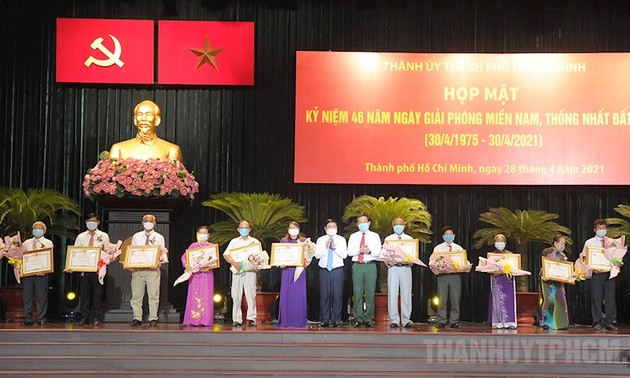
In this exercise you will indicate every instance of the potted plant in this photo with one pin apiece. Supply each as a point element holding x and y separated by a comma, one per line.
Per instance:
<point>619,226</point>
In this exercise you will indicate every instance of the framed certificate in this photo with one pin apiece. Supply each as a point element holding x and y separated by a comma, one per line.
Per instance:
<point>557,270</point>
<point>142,256</point>
<point>287,254</point>
<point>82,259</point>
<point>458,257</point>
<point>514,259</point>
<point>203,254</point>
<point>39,261</point>
<point>409,246</point>
<point>242,253</point>
<point>596,259</point>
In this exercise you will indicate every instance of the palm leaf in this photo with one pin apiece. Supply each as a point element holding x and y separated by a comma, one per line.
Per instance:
<point>619,226</point>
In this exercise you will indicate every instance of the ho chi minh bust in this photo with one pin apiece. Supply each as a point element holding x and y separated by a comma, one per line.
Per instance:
<point>146,144</point>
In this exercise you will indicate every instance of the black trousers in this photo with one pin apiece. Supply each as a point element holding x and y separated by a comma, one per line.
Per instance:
<point>603,291</point>
<point>90,296</point>
<point>35,288</point>
<point>331,292</point>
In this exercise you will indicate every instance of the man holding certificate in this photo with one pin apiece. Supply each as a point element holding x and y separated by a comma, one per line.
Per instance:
<point>364,246</point>
<point>399,279</point>
<point>36,286</point>
<point>147,277</point>
<point>90,289</point>
<point>449,286</point>
<point>242,281</point>
<point>602,286</point>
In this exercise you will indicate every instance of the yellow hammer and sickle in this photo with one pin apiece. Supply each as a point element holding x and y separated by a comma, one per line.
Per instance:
<point>114,58</point>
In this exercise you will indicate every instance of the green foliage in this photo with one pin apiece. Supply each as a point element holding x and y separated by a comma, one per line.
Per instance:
<point>520,226</point>
<point>619,226</point>
<point>269,215</point>
<point>383,211</point>
<point>19,210</point>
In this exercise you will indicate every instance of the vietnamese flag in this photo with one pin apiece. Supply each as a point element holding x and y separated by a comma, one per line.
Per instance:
<point>91,50</point>
<point>205,53</point>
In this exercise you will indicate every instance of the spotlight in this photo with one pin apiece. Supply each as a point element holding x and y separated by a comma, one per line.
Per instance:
<point>220,307</point>
<point>435,302</point>
<point>71,300</point>
<point>217,298</point>
<point>432,306</point>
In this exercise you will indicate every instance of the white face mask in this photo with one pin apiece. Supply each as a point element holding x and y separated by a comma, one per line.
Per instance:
<point>293,232</point>
<point>148,226</point>
<point>331,231</point>
<point>91,225</point>
<point>500,246</point>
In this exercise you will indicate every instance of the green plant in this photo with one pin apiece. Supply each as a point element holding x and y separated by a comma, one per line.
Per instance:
<point>619,226</point>
<point>20,209</point>
<point>382,211</point>
<point>520,227</point>
<point>269,215</point>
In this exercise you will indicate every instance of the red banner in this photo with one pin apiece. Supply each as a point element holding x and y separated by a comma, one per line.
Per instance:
<point>389,118</point>
<point>105,51</point>
<point>206,52</point>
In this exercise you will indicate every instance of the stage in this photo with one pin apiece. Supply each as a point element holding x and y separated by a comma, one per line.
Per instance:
<point>115,349</point>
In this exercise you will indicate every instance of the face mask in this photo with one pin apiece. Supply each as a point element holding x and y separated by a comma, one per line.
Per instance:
<point>331,231</point>
<point>363,227</point>
<point>38,232</point>
<point>399,228</point>
<point>91,225</point>
<point>449,238</point>
<point>293,232</point>
<point>202,237</point>
<point>243,231</point>
<point>600,233</point>
<point>560,247</point>
<point>148,226</point>
<point>500,246</point>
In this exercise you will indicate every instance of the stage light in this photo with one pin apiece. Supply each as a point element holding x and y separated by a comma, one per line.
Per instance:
<point>71,300</point>
<point>71,295</point>
<point>217,298</point>
<point>435,301</point>
<point>220,307</point>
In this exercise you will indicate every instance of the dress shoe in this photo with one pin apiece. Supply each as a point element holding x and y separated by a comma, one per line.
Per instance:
<point>96,322</point>
<point>368,324</point>
<point>408,325</point>
<point>512,327</point>
<point>252,323</point>
<point>337,324</point>
<point>393,325</point>
<point>610,327</point>
<point>545,327</point>
<point>84,322</point>
<point>456,325</point>
<point>598,327</point>
<point>357,324</point>
<point>42,322</point>
<point>27,323</point>
<point>136,323</point>
<point>324,324</point>
<point>153,323</point>
<point>441,325</point>
<point>237,324</point>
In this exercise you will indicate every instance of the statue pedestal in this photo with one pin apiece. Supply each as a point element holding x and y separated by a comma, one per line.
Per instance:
<point>122,219</point>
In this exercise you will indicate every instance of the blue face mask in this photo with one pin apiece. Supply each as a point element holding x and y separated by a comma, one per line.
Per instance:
<point>38,232</point>
<point>448,238</point>
<point>500,246</point>
<point>399,228</point>
<point>243,231</point>
<point>600,233</point>
<point>363,227</point>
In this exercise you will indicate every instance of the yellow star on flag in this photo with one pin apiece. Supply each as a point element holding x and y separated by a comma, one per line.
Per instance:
<point>207,54</point>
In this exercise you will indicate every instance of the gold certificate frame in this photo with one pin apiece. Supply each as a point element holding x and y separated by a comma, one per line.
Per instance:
<point>142,256</point>
<point>82,259</point>
<point>203,253</point>
<point>38,261</point>
<point>459,257</point>
<point>409,246</point>
<point>241,254</point>
<point>287,254</point>
<point>514,259</point>
<point>557,270</point>
<point>596,259</point>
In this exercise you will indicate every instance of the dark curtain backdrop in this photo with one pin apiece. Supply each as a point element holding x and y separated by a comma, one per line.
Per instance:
<point>241,139</point>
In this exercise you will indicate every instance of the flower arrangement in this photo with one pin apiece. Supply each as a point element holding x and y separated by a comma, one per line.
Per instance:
<point>253,263</point>
<point>444,264</point>
<point>13,249</point>
<point>393,254</point>
<point>138,177</point>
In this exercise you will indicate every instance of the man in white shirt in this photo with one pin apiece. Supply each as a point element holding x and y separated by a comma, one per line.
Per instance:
<point>364,246</point>
<point>90,289</point>
<point>331,251</point>
<point>150,277</point>
<point>399,279</point>
<point>36,287</point>
<point>449,286</point>
<point>244,282</point>
<point>602,286</point>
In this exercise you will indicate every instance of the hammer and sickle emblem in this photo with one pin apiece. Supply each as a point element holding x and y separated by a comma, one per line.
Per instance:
<point>114,58</point>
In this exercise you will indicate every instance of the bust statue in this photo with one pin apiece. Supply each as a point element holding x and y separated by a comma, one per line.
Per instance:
<point>146,144</point>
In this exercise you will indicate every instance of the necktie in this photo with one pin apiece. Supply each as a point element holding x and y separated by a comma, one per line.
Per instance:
<point>147,242</point>
<point>603,243</point>
<point>329,260</point>
<point>91,242</point>
<point>399,237</point>
<point>361,256</point>
<point>35,244</point>
<point>450,247</point>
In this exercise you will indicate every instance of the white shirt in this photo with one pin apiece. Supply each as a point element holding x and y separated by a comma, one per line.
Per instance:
<point>595,241</point>
<point>239,242</point>
<point>34,243</point>
<point>444,247</point>
<point>140,238</point>
<point>101,239</point>
<point>395,236</point>
<point>372,241</point>
<point>340,251</point>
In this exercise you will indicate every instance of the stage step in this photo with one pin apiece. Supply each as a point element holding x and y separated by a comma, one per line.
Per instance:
<point>175,351</point>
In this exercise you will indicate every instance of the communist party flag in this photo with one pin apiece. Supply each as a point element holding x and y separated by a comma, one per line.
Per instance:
<point>205,53</point>
<point>105,51</point>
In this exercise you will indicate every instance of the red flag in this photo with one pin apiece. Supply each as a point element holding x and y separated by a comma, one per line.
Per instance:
<point>206,52</point>
<point>105,51</point>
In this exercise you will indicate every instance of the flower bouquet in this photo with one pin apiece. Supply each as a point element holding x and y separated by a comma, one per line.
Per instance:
<point>253,263</point>
<point>442,263</point>
<point>138,177</point>
<point>499,267</point>
<point>198,264</point>
<point>614,250</point>
<point>109,253</point>
<point>13,249</point>
<point>309,252</point>
<point>393,254</point>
